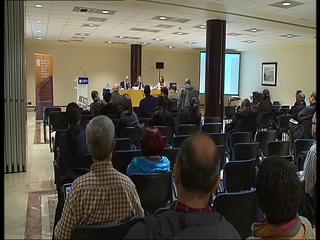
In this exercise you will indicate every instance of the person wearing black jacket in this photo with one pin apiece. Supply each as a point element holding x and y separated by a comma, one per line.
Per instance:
<point>109,108</point>
<point>161,115</point>
<point>264,105</point>
<point>192,216</point>
<point>191,113</point>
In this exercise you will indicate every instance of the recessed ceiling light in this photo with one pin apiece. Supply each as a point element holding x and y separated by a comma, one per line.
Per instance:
<point>39,31</point>
<point>105,11</point>
<point>170,46</point>
<point>91,24</point>
<point>39,38</point>
<point>286,4</point>
<point>144,43</point>
<point>39,21</point>
<point>253,30</point>
<point>202,26</point>
<point>38,5</point>
<point>157,39</point>
<point>109,42</point>
<point>162,18</point>
<point>289,35</point>
<point>249,41</point>
<point>121,36</point>
<point>179,33</point>
<point>81,34</point>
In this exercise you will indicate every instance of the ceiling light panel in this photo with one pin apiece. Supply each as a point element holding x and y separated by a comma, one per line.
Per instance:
<point>96,19</point>
<point>180,33</point>
<point>164,26</point>
<point>104,11</point>
<point>158,17</point>
<point>280,4</point>
<point>144,30</point>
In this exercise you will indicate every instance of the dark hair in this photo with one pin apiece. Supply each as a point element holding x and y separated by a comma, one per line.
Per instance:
<point>147,90</point>
<point>127,104</point>
<point>194,104</point>
<point>246,108</point>
<point>266,94</point>
<point>73,114</point>
<point>164,90</point>
<point>199,170</point>
<point>164,104</point>
<point>298,91</point>
<point>279,189</point>
<point>94,94</point>
<point>162,78</point>
<point>107,96</point>
<point>152,143</point>
<point>174,87</point>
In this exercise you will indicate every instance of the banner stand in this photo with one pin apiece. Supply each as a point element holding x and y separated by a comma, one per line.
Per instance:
<point>82,92</point>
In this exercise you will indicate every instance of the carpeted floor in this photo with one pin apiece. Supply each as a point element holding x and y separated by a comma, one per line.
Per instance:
<point>38,134</point>
<point>40,214</point>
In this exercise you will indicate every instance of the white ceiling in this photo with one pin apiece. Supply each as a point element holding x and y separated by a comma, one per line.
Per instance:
<point>61,23</point>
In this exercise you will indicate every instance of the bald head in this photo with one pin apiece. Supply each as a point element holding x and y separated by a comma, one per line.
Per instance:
<point>199,163</point>
<point>116,87</point>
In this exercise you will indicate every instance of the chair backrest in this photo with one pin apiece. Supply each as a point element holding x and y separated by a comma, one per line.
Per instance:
<point>244,151</point>
<point>154,190</point>
<point>56,149</point>
<point>166,131</point>
<point>47,112</point>
<point>229,111</point>
<point>239,209</point>
<point>58,121</point>
<point>219,138</point>
<point>263,137</point>
<point>306,127</point>
<point>240,137</point>
<point>284,108</point>
<point>276,114</point>
<point>171,154</point>
<point>123,144</point>
<point>222,155</point>
<point>263,119</point>
<point>239,175</point>
<point>211,128</point>
<point>106,231</point>
<point>212,120</point>
<point>276,103</point>
<point>122,158</point>
<point>134,133</point>
<point>144,120</point>
<point>283,123</point>
<point>176,121</point>
<point>302,145</point>
<point>178,140</point>
<point>187,129</point>
<point>279,148</point>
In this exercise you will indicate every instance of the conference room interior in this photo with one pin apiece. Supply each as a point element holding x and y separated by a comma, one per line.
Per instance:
<point>29,195</point>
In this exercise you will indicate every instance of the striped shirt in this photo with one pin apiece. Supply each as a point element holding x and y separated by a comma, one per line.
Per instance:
<point>102,196</point>
<point>310,169</point>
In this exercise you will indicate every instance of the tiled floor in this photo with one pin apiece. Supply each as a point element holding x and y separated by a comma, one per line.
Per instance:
<point>39,177</point>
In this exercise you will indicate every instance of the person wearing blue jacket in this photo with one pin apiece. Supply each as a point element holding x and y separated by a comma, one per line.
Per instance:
<point>152,161</point>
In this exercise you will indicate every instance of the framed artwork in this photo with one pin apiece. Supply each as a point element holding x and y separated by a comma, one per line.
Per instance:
<point>269,74</point>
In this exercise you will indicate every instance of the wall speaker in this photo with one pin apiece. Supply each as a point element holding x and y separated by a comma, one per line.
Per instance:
<point>159,65</point>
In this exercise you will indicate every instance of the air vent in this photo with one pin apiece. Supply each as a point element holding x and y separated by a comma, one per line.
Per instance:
<point>180,20</point>
<point>164,26</point>
<point>127,37</point>
<point>75,40</point>
<point>96,19</point>
<point>78,37</point>
<point>115,42</point>
<point>62,40</point>
<point>83,10</point>
<point>144,30</point>
<point>234,34</point>
<point>82,34</point>
<point>90,25</point>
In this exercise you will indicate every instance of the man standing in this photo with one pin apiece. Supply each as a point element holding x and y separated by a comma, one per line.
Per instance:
<point>187,92</point>
<point>173,95</point>
<point>97,103</point>
<point>196,174</point>
<point>117,97</point>
<point>104,195</point>
<point>125,84</point>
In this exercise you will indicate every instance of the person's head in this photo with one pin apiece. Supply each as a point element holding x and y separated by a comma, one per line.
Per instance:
<point>266,94</point>
<point>107,97</point>
<point>174,87</point>
<point>139,78</point>
<point>73,113</point>
<point>246,107</point>
<point>188,81</point>
<point>161,79</point>
<point>95,95</point>
<point>116,87</point>
<point>100,137</point>
<point>279,190</point>
<point>314,125</point>
<point>313,98</point>
<point>152,143</point>
<point>194,104</point>
<point>197,167</point>
<point>147,90</point>
<point>127,104</point>
<point>300,97</point>
<point>164,90</point>
<point>297,92</point>
<point>162,101</point>
<point>127,78</point>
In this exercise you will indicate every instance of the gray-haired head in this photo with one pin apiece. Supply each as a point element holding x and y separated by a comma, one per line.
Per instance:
<point>301,96</point>
<point>100,137</point>
<point>314,126</point>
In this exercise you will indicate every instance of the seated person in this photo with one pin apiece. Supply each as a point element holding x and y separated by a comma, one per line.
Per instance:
<point>151,161</point>
<point>104,195</point>
<point>299,105</point>
<point>139,83</point>
<point>191,114</point>
<point>161,83</point>
<point>125,84</point>
<point>97,104</point>
<point>148,103</point>
<point>264,105</point>
<point>128,117</point>
<point>173,95</point>
<point>73,141</point>
<point>310,164</point>
<point>161,115</point>
<point>109,108</point>
<point>165,91</point>
<point>117,98</point>
<point>279,193</point>
<point>244,120</point>
<point>196,174</point>
<point>297,101</point>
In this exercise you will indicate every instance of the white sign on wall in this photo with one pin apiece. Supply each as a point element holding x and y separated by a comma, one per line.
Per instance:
<point>82,91</point>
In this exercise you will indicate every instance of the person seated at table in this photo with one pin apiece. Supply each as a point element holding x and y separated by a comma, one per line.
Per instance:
<point>109,108</point>
<point>73,141</point>
<point>279,193</point>
<point>161,83</point>
<point>148,103</point>
<point>191,114</point>
<point>264,105</point>
<point>151,161</point>
<point>128,117</point>
<point>125,84</point>
<point>161,115</point>
<point>139,83</point>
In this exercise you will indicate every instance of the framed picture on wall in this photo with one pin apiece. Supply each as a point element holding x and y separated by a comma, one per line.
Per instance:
<point>269,74</point>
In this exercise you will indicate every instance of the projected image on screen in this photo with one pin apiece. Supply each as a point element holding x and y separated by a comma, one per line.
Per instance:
<point>231,74</point>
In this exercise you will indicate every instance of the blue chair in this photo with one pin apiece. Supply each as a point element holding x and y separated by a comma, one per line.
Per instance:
<point>123,144</point>
<point>178,140</point>
<point>279,148</point>
<point>187,129</point>
<point>106,231</point>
